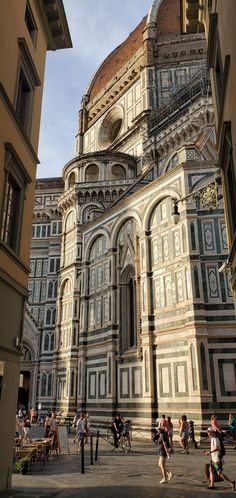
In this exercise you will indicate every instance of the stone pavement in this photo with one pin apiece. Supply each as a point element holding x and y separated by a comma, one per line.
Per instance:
<point>119,475</point>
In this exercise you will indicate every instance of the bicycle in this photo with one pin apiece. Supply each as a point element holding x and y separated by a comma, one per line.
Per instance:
<point>123,441</point>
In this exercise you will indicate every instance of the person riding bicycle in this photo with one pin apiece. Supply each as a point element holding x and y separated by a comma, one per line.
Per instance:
<point>116,429</point>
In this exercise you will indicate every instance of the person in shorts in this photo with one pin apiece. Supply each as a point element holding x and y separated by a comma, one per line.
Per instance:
<point>216,464</point>
<point>163,450</point>
<point>184,434</point>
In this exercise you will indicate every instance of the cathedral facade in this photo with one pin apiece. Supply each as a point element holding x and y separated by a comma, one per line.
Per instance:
<point>133,313</point>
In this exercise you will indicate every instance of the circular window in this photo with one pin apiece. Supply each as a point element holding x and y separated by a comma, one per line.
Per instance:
<point>111,127</point>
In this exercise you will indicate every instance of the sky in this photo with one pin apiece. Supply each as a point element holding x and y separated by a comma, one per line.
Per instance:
<point>96,28</point>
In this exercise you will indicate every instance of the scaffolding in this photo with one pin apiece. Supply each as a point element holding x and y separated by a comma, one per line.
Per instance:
<point>168,113</point>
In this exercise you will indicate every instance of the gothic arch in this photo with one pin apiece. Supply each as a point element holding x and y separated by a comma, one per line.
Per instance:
<point>94,236</point>
<point>122,219</point>
<point>29,353</point>
<point>70,220</point>
<point>63,284</point>
<point>153,204</point>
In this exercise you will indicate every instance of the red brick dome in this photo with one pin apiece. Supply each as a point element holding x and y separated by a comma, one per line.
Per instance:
<point>116,60</point>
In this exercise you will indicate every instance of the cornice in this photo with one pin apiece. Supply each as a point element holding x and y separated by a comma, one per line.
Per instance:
<point>54,23</point>
<point>20,129</point>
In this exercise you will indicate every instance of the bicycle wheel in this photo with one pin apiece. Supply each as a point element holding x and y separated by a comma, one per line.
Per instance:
<point>125,444</point>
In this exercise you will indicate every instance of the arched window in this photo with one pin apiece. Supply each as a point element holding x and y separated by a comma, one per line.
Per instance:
<point>43,384</point>
<point>118,172</point>
<point>128,311</point>
<point>71,179</point>
<point>92,173</point>
<point>100,196</point>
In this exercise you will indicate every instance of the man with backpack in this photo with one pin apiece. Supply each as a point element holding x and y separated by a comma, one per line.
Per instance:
<point>217,453</point>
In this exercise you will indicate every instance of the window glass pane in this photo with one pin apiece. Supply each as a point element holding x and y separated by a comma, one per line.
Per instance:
<point>43,385</point>
<point>29,20</point>
<point>11,205</point>
<point>51,268</point>
<point>23,98</point>
<point>49,384</point>
<point>46,342</point>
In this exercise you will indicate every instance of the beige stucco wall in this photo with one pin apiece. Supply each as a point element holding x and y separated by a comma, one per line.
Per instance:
<point>24,143</point>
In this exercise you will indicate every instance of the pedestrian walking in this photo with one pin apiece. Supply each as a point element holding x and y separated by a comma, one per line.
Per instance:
<point>216,463</point>
<point>32,415</point>
<point>184,434</point>
<point>80,432</point>
<point>26,428</point>
<point>163,450</point>
<point>170,432</point>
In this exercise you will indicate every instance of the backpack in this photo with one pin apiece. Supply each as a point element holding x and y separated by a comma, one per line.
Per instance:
<point>222,446</point>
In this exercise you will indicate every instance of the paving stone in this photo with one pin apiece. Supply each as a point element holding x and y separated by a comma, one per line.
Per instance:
<point>116,475</point>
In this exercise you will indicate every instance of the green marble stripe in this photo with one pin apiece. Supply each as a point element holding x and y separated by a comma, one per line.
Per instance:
<point>222,350</point>
<point>175,354</point>
<point>176,344</point>
<point>221,339</point>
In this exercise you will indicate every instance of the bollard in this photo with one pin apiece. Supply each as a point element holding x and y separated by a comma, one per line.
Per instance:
<point>82,455</point>
<point>96,452</point>
<point>91,449</point>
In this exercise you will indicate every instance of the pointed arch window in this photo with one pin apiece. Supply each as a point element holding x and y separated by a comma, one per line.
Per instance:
<point>128,310</point>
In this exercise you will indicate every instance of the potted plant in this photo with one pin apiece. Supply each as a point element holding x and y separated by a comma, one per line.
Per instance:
<point>22,464</point>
